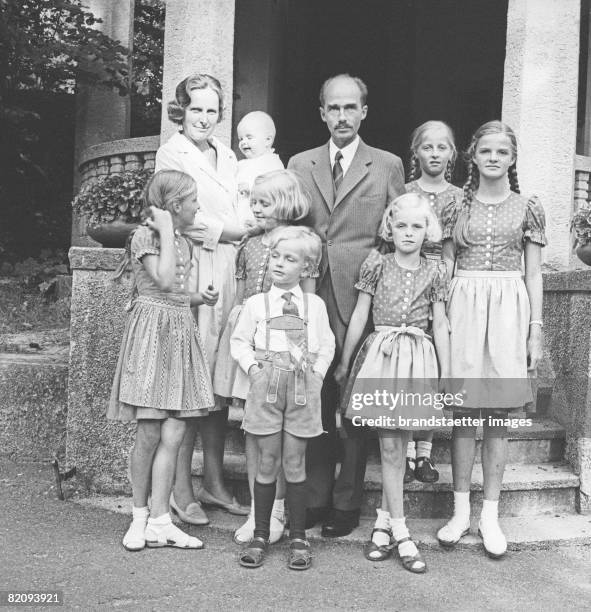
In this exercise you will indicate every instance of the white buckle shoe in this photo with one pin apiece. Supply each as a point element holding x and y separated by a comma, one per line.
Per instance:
<point>158,536</point>
<point>452,532</point>
<point>245,533</point>
<point>495,543</point>
<point>135,537</point>
<point>277,526</point>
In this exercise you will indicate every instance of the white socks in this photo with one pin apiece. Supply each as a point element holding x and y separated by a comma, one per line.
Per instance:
<point>490,510</point>
<point>399,532</point>
<point>493,538</point>
<point>161,532</point>
<point>424,449</point>
<point>410,451</point>
<point>134,538</point>
<point>380,538</point>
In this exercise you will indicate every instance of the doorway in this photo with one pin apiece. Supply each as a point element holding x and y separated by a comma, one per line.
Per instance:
<point>421,59</point>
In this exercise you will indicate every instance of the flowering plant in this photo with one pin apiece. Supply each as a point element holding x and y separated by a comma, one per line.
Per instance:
<point>581,224</point>
<point>113,196</point>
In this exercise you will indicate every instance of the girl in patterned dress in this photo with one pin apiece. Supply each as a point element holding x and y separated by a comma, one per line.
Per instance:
<point>495,317</point>
<point>400,290</point>
<point>433,155</point>
<point>162,377</point>
<point>277,199</point>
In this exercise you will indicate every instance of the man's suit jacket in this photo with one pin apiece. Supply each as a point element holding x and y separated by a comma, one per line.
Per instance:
<point>348,221</point>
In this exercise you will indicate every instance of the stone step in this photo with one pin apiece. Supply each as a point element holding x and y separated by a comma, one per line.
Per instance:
<point>522,533</point>
<point>542,442</point>
<point>528,489</point>
<point>34,403</point>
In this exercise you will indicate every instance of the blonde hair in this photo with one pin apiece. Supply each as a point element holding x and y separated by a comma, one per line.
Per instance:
<point>414,201</point>
<point>415,142</point>
<point>261,119</point>
<point>461,233</point>
<point>163,190</point>
<point>309,241</point>
<point>182,95</point>
<point>284,189</point>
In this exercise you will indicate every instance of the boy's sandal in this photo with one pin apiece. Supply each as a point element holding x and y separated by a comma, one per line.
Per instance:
<point>381,553</point>
<point>299,558</point>
<point>412,563</point>
<point>254,554</point>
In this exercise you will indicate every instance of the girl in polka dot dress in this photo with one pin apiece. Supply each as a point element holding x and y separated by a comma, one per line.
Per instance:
<point>401,290</point>
<point>495,317</point>
<point>276,199</point>
<point>162,378</point>
<point>433,155</point>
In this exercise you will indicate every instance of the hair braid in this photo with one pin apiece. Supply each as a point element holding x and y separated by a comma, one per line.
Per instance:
<point>449,170</point>
<point>461,230</point>
<point>513,182</point>
<point>415,168</point>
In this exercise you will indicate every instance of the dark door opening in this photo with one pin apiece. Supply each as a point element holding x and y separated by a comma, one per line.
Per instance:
<point>421,59</point>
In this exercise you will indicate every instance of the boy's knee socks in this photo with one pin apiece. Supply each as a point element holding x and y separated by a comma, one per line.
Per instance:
<point>295,496</point>
<point>264,496</point>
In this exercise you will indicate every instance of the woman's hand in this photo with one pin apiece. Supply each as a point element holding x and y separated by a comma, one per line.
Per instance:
<point>197,231</point>
<point>534,347</point>
<point>340,373</point>
<point>159,220</point>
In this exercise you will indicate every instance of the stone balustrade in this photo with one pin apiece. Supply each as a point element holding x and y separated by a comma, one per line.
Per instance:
<point>118,156</point>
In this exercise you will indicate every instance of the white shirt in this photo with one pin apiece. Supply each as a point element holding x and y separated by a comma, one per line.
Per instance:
<point>250,331</point>
<point>348,153</point>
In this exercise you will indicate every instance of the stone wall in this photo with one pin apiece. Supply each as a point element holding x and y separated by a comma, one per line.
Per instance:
<point>99,449</point>
<point>567,320</point>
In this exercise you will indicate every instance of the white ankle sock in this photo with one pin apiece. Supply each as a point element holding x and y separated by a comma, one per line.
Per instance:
<point>462,505</point>
<point>410,450</point>
<point>424,448</point>
<point>278,505</point>
<point>140,514</point>
<point>382,522</point>
<point>399,532</point>
<point>490,510</point>
<point>160,521</point>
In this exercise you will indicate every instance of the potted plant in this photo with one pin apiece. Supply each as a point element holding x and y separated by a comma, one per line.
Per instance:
<point>581,224</point>
<point>113,206</point>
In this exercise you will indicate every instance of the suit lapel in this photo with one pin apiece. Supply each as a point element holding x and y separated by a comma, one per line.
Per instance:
<point>322,174</point>
<point>356,172</point>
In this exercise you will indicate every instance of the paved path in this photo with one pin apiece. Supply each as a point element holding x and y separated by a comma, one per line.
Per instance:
<point>45,543</point>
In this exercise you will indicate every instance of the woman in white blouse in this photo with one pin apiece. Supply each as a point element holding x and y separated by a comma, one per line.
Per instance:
<point>197,109</point>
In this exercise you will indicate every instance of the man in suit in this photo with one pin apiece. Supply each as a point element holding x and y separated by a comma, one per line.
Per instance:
<point>350,185</point>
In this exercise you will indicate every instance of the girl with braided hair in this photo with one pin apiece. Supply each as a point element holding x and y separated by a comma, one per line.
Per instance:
<point>433,155</point>
<point>495,318</point>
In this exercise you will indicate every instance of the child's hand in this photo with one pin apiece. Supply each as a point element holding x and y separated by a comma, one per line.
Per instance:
<point>159,220</point>
<point>210,296</point>
<point>252,228</point>
<point>340,374</point>
<point>534,347</point>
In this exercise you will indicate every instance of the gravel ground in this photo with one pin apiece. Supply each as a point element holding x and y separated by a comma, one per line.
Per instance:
<point>48,544</point>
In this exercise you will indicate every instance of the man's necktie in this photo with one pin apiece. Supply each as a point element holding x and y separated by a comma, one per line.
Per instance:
<point>296,338</point>
<point>337,171</point>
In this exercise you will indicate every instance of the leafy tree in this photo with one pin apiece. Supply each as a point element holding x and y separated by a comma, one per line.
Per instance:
<point>148,57</point>
<point>47,49</point>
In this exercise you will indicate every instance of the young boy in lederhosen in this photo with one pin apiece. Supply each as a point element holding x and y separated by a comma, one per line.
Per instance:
<point>284,342</point>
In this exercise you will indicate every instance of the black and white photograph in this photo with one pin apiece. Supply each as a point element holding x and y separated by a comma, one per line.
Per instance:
<point>295,305</point>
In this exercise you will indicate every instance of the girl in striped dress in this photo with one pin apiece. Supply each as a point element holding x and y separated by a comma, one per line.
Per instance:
<point>162,377</point>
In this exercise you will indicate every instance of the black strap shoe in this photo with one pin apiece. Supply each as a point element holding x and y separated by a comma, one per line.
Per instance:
<point>425,470</point>
<point>409,473</point>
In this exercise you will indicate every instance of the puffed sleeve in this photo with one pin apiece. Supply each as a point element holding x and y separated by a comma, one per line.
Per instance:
<point>449,216</point>
<point>371,270</point>
<point>144,242</point>
<point>534,224</point>
<point>241,260</point>
<point>439,286</point>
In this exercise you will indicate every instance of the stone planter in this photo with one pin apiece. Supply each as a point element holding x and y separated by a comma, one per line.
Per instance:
<point>584,253</point>
<point>111,235</point>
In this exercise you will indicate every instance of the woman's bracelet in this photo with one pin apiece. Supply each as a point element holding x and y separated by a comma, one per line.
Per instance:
<point>540,323</point>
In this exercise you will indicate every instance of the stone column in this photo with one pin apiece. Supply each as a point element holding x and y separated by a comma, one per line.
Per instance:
<point>199,37</point>
<point>102,114</point>
<point>540,104</point>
